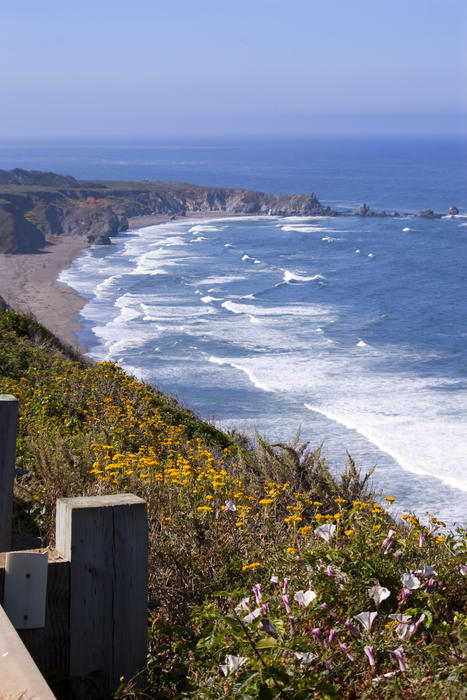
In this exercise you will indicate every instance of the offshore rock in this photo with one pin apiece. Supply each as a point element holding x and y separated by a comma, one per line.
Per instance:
<point>364,210</point>
<point>429,214</point>
<point>453,210</point>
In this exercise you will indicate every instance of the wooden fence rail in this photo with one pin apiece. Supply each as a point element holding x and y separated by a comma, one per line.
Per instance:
<point>95,626</point>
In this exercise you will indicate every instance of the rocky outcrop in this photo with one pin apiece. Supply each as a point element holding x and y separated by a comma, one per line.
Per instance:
<point>453,210</point>
<point>95,220</point>
<point>17,234</point>
<point>429,214</point>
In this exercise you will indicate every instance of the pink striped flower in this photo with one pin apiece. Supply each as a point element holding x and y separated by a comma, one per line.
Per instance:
<point>399,654</point>
<point>257,593</point>
<point>369,651</point>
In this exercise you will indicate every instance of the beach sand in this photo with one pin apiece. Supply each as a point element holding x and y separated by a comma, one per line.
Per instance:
<point>28,282</point>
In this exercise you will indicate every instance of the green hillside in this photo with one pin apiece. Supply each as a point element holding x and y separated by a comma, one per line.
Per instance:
<point>269,577</point>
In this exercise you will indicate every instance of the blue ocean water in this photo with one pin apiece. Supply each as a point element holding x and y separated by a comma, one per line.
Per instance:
<point>354,329</point>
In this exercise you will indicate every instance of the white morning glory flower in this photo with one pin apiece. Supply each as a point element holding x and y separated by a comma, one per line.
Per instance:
<point>305,657</point>
<point>410,581</point>
<point>304,597</point>
<point>253,615</point>
<point>366,619</point>
<point>243,606</point>
<point>379,593</point>
<point>232,664</point>
<point>326,531</point>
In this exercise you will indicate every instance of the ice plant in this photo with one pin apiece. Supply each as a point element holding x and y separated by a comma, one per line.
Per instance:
<point>366,619</point>
<point>232,664</point>
<point>379,593</point>
<point>399,654</point>
<point>369,651</point>
<point>304,597</point>
<point>326,531</point>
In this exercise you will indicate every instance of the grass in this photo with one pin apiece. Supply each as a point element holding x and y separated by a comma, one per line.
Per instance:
<point>264,567</point>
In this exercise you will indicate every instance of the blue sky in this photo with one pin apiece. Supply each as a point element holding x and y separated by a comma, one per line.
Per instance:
<point>145,67</point>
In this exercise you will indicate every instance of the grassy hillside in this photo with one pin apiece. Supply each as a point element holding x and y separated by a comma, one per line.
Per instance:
<point>269,578</point>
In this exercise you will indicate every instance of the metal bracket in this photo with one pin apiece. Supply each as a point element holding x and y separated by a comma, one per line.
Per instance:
<point>26,588</point>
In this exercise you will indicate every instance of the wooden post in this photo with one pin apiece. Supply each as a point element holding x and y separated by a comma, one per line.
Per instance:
<point>106,540</point>
<point>8,429</point>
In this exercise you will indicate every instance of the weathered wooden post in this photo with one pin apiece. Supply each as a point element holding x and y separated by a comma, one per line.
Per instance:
<point>106,540</point>
<point>8,429</point>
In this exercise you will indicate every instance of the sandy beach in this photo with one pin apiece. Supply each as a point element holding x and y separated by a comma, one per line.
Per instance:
<point>28,282</point>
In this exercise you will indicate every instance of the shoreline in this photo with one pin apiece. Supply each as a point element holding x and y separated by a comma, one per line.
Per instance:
<point>29,281</point>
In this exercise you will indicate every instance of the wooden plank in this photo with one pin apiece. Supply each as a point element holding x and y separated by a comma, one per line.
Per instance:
<point>8,430</point>
<point>49,646</point>
<point>19,676</point>
<point>106,540</point>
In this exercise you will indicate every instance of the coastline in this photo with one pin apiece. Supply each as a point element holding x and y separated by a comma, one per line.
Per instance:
<point>29,281</point>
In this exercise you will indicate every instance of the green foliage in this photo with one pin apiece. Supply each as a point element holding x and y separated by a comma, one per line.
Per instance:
<point>225,516</point>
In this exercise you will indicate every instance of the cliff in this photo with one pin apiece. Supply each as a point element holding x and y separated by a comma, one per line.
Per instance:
<point>35,205</point>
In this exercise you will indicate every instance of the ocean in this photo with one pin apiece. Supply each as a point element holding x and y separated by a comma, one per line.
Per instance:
<point>353,330</point>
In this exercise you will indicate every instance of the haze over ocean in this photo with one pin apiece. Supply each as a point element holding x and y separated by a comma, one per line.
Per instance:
<point>352,328</point>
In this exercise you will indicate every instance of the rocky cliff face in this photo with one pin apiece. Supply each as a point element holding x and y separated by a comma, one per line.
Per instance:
<point>17,234</point>
<point>36,205</point>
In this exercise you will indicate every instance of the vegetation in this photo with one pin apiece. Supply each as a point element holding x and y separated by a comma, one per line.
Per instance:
<point>269,577</point>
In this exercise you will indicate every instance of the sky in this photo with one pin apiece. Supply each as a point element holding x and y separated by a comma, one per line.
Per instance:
<point>212,67</point>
